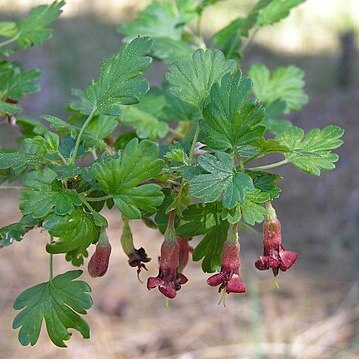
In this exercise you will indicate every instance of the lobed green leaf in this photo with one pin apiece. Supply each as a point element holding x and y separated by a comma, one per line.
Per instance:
<point>230,119</point>
<point>16,160</point>
<point>191,80</point>
<point>284,84</point>
<point>273,11</point>
<point>124,177</point>
<point>34,29</point>
<point>220,181</point>
<point>120,81</point>
<point>46,195</point>
<point>57,302</point>
<point>311,152</point>
<point>75,233</point>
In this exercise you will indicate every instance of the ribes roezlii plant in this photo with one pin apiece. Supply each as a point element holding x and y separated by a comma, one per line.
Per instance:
<point>178,157</point>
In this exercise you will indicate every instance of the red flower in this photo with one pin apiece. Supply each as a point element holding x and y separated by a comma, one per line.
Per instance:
<point>274,256</point>
<point>168,280</point>
<point>229,278</point>
<point>98,263</point>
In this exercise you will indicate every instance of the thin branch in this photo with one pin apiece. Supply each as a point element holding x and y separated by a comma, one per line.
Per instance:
<point>7,42</point>
<point>77,145</point>
<point>98,199</point>
<point>267,167</point>
<point>250,40</point>
<point>63,159</point>
<point>194,141</point>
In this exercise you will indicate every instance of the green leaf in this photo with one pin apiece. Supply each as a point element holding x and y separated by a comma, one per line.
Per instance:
<point>120,81</point>
<point>46,195</point>
<point>123,178</point>
<point>210,247</point>
<point>68,171</point>
<point>162,215</point>
<point>16,231</point>
<point>15,82</point>
<point>176,155</point>
<point>76,232</point>
<point>311,152</point>
<point>229,118</point>
<point>59,302</point>
<point>18,159</point>
<point>285,83</point>
<point>8,29</point>
<point>275,109</point>
<point>276,126</point>
<point>59,124</point>
<point>252,211</point>
<point>34,29</point>
<point>191,80</point>
<point>145,124</point>
<point>171,50</point>
<point>273,11</point>
<point>46,144</point>
<point>146,197</point>
<point>267,146</point>
<point>266,182</point>
<point>157,20</point>
<point>198,218</point>
<point>239,26</point>
<point>164,24</point>
<point>153,102</point>
<point>221,180</point>
<point>265,12</point>
<point>204,4</point>
<point>100,127</point>
<point>187,9</point>
<point>30,127</point>
<point>177,110</point>
<point>80,103</point>
<point>9,108</point>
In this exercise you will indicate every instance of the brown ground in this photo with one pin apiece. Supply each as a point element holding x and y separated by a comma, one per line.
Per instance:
<point>312,315</point>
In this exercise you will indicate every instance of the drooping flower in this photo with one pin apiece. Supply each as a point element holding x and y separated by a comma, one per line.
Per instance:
<point>274,257</point>
<point>136,257</point>
<point>98,264</point>
<point>229,277</point>
<point>168,280</point>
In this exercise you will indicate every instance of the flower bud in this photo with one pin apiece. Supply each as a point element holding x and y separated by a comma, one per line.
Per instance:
<point>99,261</point>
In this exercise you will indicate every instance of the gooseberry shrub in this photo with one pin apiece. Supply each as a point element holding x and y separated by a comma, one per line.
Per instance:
<point>178,157</point>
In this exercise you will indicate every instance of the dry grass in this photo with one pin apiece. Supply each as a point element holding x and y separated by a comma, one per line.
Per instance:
<point>310,316</point>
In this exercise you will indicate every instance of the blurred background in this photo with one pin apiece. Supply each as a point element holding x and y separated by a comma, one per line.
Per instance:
<point>315,312</point>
